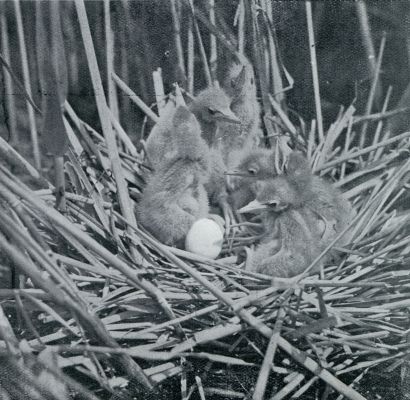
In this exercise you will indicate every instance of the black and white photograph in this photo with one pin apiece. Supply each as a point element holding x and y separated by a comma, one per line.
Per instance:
<point>204,199</point>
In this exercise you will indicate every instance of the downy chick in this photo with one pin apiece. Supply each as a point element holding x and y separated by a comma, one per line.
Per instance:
<point>240,86</point>
<point>252,165</point>
<point>174,197</point>
<point>290,242</point>
<point>324,199</point>
<point>304,211</point>
<point>159,143</point>
<point>212,108</point>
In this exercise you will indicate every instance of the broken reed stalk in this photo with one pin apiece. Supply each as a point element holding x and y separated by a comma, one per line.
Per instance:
<point>9,93</point>
<point>27,86</point>
<point>177,39</point>
<point>109,52</point>
<point>159,90</point>
<point>375,83</point>
<point>59,182</point>
<point>313,62</point>
<point>376,137</point>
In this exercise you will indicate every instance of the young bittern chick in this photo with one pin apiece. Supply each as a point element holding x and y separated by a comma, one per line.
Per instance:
<point>324,199</point>
<point>252,165</point>
<point>302,214</point>
<point>240,86</point>
<point>159,143</point>
<point>174,197</point>
<point>289,245</point>
<point>211,107</point>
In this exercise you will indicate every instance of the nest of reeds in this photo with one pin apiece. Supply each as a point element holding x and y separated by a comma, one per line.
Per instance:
<point>104,310</point>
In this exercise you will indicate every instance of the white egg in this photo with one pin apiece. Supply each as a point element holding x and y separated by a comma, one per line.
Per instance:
<point>204,238</point>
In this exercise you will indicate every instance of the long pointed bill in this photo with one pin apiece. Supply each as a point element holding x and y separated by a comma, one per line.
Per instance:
<point>228,116</point>
<point>236,173</point>
<point>253,207</point>
<point>239,81</point>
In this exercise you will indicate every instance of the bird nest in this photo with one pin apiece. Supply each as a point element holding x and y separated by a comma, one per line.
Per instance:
<point>126,314</point>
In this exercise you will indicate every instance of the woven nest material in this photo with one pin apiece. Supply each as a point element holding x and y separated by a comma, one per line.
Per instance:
<point>117,306</point>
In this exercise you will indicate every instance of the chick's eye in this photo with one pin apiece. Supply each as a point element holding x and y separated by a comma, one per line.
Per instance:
<point>252,171</point>
<point>211,111</point>
<point>276,205</point>
<point>252,81</point>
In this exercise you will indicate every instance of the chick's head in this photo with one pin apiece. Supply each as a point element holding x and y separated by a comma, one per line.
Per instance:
<point>240,80</point>
<point>257,163</point>
<point>273,196</point>
<point>251,166</point>
<point>213,105</point>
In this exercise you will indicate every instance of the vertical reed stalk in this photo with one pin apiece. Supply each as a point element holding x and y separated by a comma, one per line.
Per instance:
<point>123,197</point>
<point>9,98</point>
<point>26,80</point>
<point>125,105</point>
<point>273,56</point>
<point>313,61</point>
<point>241,27</point>
<point>177,38</point>
<point>379,127</point>
<point>191,55</point>
<point>109,52</point>
<point>213,57</point>
<point>202,51</point>
<point>72,54</point>
<point>361,10</point>
<point>373,89</point>
<point>159,90</point>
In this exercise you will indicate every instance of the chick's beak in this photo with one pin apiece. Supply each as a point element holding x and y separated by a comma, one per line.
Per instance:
<point>239,81</point>
<point>253,207</point>
<point>228,116</point>
<point>234,172</point>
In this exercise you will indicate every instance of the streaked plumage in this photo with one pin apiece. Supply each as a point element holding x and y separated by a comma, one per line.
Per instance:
<point>302,214</point>
<point>210,107</point>
<point>240,86</point>
<point>174,197</point>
